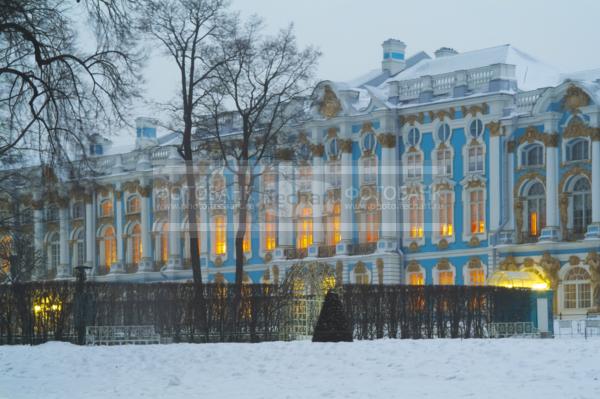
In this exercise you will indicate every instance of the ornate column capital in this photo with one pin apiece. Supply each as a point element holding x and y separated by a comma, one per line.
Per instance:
<point>145,191</point>
<point>511,146</point>
<point>346,145</point>
<point>317,150</point>
<point>552,140</point>
<point>387,140</point>
<point>496,129</point>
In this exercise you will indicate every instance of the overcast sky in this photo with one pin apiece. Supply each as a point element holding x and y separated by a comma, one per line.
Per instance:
<point>563,33</point>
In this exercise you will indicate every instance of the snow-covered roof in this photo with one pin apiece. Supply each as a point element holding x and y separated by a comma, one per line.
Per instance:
<point>531,73</point>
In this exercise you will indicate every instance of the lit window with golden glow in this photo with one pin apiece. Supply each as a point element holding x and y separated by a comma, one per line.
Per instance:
<point>333,225</point>
<point>110,247</point>
<point>247,245</point>
<point>220,235</point>
<point>164,243</point>
<point>445,214</point>
<point>476,277</point>
<point>416,278</point>
<point>445,277</point>
<point>304,228</point>
<point>477,211</point>
<point>536,209</point>
<point>106,208</point>
<point>270,231</point>
<point>136,244</point>
<point>5,253</point>
<point>415,217</point>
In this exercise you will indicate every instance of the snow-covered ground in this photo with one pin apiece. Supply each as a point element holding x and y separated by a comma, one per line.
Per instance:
<point>508,368</point>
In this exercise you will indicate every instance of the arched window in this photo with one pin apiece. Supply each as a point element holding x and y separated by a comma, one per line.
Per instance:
<point>536,209</point>
<point>532,155</point>
<point>577,289</point>
<point>445,204</point>
<point>415,216</point>
<point>372,218</point>
<point>220,223</point>
<point>361,274</point>
<point>136,244</point>
<point>79,248</point>
<point>110,247</point>
<point>414,137</point>
<point>475,158</point>
<point>445,275</point>
<point>578,150</point>
<point>304,226</point>
<point>106,208</point>
<point>475,272</point>
<point>133,204</point>
<point>477,211</point>
<point>369,169</point>
<point>333,223</point>
<point>582,206</point>
<point>416,278</point>
<point>54,251</point>
<point>443,158</point>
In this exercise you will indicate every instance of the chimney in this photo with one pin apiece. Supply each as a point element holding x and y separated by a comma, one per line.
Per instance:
<point>393,56</point>
<point>445,52</point>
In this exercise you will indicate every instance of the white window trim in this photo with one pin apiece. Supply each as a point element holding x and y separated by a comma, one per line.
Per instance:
<point>406,217</point>
<point>436,274</point>
<point>436,236</point>
<point>565,148</point>
<point>561,291</point>
<point>465,154</point>
<point>467,276</point>
<point>466,235</point>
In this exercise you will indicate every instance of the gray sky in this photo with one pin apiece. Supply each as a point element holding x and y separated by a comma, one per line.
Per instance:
<point>563,33</point>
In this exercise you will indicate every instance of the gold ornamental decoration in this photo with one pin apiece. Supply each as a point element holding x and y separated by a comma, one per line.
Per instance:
<point>474,242</point>
<point>526,177</point>
<point>367,127</point>
<point>317,150</point>
<point>509,264</point>
<point>552,140</point>
<point>413,247</point>
<point>145,191</point>
<point>330,105</point>
<point>574,99</point>
<point>412,118</point>
<point>441,114</point>
<point>442,244</point>
<point>531,135</point>
<point>511,146</point>
<point>475,263</point>
<point>496,129</point>
<point>443,264</point>
<point>413,267</point>
<point>474,110</point>
<point>574,260</point>
<point>576,128</point>
<point>573,172</point>
<point>387,140</point>
<point>346,145</point>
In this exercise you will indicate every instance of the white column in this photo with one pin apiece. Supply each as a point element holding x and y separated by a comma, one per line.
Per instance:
<point>63,214</point>
<point>495,183</point>
<point>146,263</point>
<point>388,190</point>
<point>285,206</point>
<point>511,148</point>
<point>347,195</point>
<point>318,195</point>
<point>551,232</point>
<point>119,266</point>
<point>174,262</point>
<point>90,236</point>
<point>38,235</point>
<point>593,231</point>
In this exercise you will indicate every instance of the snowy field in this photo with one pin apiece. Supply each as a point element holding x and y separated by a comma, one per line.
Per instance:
<point>509,368</point>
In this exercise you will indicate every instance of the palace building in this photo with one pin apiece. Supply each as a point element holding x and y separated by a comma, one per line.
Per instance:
<point>461,168</point>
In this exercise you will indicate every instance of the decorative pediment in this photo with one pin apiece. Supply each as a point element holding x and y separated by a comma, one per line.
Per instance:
<point>509,264</point>
<point>496,129</point>
<point>576,128</point>
<point>441,114</point>
<point>474,110</point>
<point>412,118</point>
<point>574,99</point>
<point>330,105</point>
<point>413,267</point>
<point>475,263</point>
<point>444,264</point>
<point>532,135</point>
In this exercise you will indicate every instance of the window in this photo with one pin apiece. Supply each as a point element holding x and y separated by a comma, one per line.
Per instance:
<point>444,162</point>
<point>80,247</point>
<point>220,235</point>
<point>414,136</point>
<point>368,143</point>
<point>162,202</point>
<point>577,289</point>
<point>52,213</point>
<point>532,155</point>
<point>476,276</point>
<point>476,128</point>
<point>133,204</point>
<point>333,173</point>
<point>443,133</point>
<point>369,170</point>
<point>475,159</point>
<point>270,231</point>
<point>361,274</point>
<point>333,224</point>
<point>477,211</point>
<point>414,168</point>
<point>445,214</point>
<point>445,277</point>
<point>536,209</point>
<point>247,243</point>
<point>415,217</point>
<point>372,222</point>
<point>136,244</point>
<point>416,278</point>
<point>110,247</point>
<point>578,150</point>
<point>333,148</point>
<point>78,210</point>
<point>582,206</point>
<point>304,228</point>
<point>106,208</point>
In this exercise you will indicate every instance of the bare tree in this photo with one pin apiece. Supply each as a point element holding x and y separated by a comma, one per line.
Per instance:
<point>188,32</point>
<point>53,94</point>
<point>264,86</point>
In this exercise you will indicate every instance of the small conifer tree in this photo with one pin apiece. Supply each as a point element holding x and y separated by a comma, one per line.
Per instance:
<point>332,326</point>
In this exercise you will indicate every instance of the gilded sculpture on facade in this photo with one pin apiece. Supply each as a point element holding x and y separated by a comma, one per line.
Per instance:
<point>575,98</point>
<point>330,104</point>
